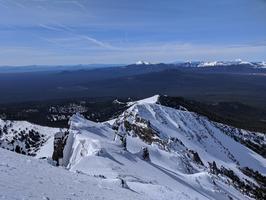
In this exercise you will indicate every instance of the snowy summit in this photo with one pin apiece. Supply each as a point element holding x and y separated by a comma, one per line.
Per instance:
<point>142,63</point>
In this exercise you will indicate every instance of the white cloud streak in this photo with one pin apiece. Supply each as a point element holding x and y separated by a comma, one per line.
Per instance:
<point>66,29</point>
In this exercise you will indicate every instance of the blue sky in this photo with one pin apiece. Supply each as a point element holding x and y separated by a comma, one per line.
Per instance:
<point>125,31</point>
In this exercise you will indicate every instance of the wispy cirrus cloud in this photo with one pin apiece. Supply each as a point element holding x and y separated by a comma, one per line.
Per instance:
<point>80,5</point>
<point>51,28</point>
<point>75,36</point>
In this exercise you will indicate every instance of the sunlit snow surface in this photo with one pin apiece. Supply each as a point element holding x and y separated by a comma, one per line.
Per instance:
<point>97,167</point>
<point>26,178</point>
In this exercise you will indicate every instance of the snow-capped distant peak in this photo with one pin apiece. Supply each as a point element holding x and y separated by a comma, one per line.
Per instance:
<point>238,60</point>
<point>210,64</point>
<point>141,62</point>
<point>241,62</point>
<point>261,64</point>
<point>226,63</point>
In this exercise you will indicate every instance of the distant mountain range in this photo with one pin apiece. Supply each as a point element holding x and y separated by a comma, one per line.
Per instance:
<point>223,63</point>
<point>43,68</point>
<point>53,68</point>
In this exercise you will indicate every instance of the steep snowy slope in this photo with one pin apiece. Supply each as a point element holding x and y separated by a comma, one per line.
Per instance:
<point>196,133</point>
<point>169,172</point>
<point>26,138</point>
<point>214,146</point>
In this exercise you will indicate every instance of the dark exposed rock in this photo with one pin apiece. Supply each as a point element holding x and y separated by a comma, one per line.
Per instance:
<point>213,168</point>
<point>25,141</point>
<point>260,179</point>
<point>124,142</point>
<point>17,149</point>
<point>59,144</point>
<point>145,132</point>
<point>145,154</point>
<point>195,157</point>
<point>245,186</point>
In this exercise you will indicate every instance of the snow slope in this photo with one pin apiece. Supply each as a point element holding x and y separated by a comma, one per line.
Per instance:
<point>196,133</point>
<point>95,149</point>
<point>107,160</point>
<point>24,177</point>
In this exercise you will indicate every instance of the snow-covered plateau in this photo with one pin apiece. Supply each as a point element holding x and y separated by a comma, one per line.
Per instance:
<point>148,152</point>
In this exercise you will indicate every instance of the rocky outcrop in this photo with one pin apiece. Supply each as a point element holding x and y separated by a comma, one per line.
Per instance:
<point>145,154</point>
<point>195,157</point>
<point>60,139</point>
<point>25,142</point>
<point>26,138</point>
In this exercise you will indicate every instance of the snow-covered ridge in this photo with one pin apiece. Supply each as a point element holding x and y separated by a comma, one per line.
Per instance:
<point>227,63</point>
<point>181,146</point>
<point>149,152</point>
<point>237,62</point>
<point>95,150</point>
<point>211,64</point>
<point>262,64</point>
